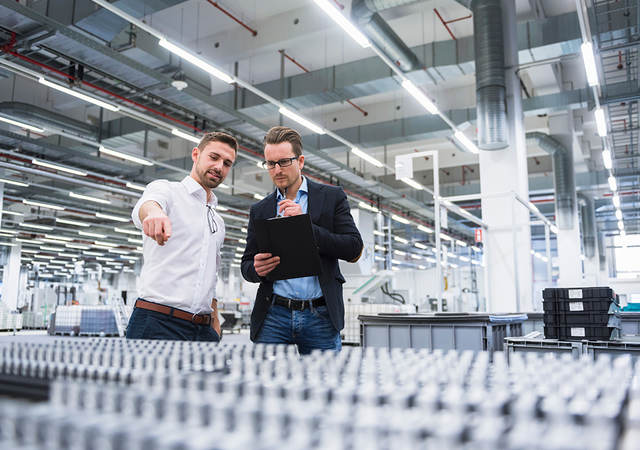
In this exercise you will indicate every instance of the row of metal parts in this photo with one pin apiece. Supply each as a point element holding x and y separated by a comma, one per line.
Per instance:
<point>267,397</point>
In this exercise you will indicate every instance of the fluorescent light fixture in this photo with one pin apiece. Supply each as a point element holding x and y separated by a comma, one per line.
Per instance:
<point>378,258</point>
<point>89,198</point>
<point>421,267</point>
<point>616,200</point>
<point>16,183</point>
<point>455,266</point>
<point>301,120</point>
<point>420,96</point>
<point>59,238</point>
<point>420,245</point>
<point>399,239</point>
<point>112,217</point>
<point>425,229</point>
<point>601,121</point>
<point>21,124</point>
<point>413,184</point>
<point>242,241</point>
<point>606,159</point>
<point>104,258</point>
<point>370,159</point>
<point>221,208</point>
<point>589,61</point>
<point>243,229</point>
<point>196,61</point>
<point>77,246</point>
<point>400,219</point>
<point>11,213</point>
<point>414,256</point>
<point>258,196</point>
<point>135,241</point>
<point>35,226</point>
<point>461,243</point>
<point>475,249</point>
<point>259,165</point>
<point>125,231</point>
<point>395,261</point>
<point>130,258</point>
<point>42,205</point>
<point>103,247</point>
<point>378,233</point>
<point>464,258</point>
<point>119,252</point>
<point>73,222</point>
<point>186,136</point>
<point>473,261</point>
<point>93,253</point>
<point>53,241</point>
<point>368,207</point>
<point>620,225</point>
<point>466,142</point>
<point>135,186</point>
<point>380,248</point>
<point>623,234</point>
<point>431,260</point>
<point>53,249</point>
<point>86,233</point>
<point>612,183</point>
<point>124,156</point>
<point>533,207</point>
<point>8,231</point>
<point>7,244</point>
<point>400,252</point>
<point>44,256</point>
<point>445,237</point>
<point>57,167</point>
<point>618,214</point>
<point>106,244</point>
<point>554,229</point>
<point>30,242</point>
<point>80,95</point>
<point>343,22</point>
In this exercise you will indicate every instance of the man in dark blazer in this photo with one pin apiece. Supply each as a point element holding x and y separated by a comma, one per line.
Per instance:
<point>307,311</point>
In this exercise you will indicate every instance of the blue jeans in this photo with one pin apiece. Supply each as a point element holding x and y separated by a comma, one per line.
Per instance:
<point>309,329</point>
<point>145,324</point>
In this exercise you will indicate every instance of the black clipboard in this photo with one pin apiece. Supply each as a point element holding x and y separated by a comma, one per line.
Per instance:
<point>291,238</point>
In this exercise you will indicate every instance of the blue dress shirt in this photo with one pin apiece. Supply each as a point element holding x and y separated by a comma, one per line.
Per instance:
<point>303,288</point>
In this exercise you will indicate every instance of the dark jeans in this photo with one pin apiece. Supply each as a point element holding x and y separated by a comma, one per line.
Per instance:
<point>145,324</point>
<point>309,329</point>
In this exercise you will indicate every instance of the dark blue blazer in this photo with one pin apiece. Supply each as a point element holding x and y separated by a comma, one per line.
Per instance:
<point>336,236</point>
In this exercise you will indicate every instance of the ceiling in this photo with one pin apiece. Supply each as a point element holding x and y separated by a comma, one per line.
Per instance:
<point>300,57</point>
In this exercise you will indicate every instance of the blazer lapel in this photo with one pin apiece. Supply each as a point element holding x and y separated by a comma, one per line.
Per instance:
<point>316,200</point>
<point>268,209</point>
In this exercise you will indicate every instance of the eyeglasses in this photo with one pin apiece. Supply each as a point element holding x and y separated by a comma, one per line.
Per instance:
<point>286,162</point>
<point>211,219</point>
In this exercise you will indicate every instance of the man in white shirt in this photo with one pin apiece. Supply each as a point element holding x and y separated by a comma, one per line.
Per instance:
<point>183,235</point>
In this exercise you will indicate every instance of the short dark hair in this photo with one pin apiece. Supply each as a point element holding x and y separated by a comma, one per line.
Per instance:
<point>218,136</point>
<point>278,135</point>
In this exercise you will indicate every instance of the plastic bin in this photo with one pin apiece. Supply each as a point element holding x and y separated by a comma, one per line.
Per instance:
<point>581,332</point>
<point>449,331</point>
<point>578,293</point>
<point>630,323</point>
<point>614,349</point>
<point>532,345</point>
<point>534,322</point>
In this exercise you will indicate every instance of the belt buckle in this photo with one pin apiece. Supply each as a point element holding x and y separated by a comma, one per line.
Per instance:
<point>289,303</point>
<point>193,317</point>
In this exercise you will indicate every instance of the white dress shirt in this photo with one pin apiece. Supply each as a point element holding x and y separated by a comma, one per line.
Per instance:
<point>182,273</point>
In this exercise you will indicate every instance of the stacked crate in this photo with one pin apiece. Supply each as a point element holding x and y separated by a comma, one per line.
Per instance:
<point>581,314</point>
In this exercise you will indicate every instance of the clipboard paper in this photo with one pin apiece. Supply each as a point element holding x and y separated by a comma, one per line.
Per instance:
<point>290,238</point>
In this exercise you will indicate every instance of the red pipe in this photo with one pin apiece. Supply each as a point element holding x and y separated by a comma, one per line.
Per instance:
<point>444,24</point>
<point>244,25</point>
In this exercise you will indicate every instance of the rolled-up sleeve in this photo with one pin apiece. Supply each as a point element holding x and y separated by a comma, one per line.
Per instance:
<point>157,191</point>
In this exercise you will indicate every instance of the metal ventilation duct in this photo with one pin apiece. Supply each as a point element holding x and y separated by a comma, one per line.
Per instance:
<point>588,226</point>
<point>365,14</point>
<point>563,177</point>
<point>490,77</point>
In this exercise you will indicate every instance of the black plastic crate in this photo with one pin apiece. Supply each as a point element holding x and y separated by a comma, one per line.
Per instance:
<point>578,293</point>
<point>582,318</point>
<point>596,304</point>
<point>577,333</point>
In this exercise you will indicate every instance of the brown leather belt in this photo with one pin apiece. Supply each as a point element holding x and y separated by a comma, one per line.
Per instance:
<point>198,319</point>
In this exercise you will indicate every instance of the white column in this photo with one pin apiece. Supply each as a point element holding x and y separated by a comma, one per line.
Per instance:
<point>508,241</point>
<point>561,127</point>
<point>11,278</point>
<point>365,222</point>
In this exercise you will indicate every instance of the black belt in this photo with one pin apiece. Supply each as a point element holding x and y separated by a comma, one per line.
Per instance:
<point>297,305</point>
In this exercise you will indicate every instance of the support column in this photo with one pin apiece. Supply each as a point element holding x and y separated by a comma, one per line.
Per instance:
<point>508,240</point>
<point>561,127</point>
<point>11,278</point>
<point>365,221</point>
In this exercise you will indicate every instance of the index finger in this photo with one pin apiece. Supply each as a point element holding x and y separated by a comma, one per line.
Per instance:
<point>263,255</point>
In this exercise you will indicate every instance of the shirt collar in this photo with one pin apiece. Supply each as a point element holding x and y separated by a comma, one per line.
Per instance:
<point>303,188</point>
<point>194,188</point>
